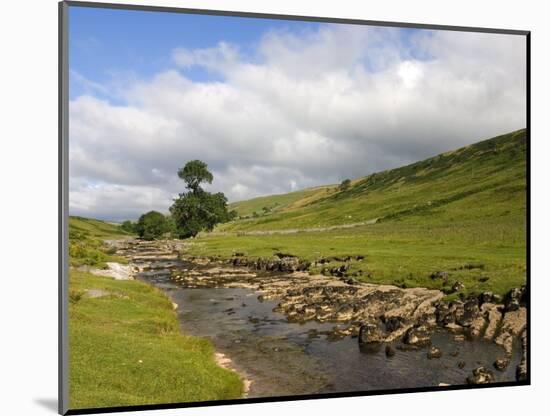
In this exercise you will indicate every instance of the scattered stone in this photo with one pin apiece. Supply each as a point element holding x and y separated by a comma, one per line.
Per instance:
<point>115,270</point>
<point>481,375</point>
<point>370,333</point>
<point>434,352</point>
<point>461,364</point>
<point>513,324</point>
<point>514,298</point>
<point>392,323</point>
<point>486,297</point>
<point>457,286</point>
<point>390,352</point>
<point>418,336</point>
<point>470,311</point>
<point>501,363</point>
<point>493,316</point>
<point>454,328</point>
<point>477,326</point>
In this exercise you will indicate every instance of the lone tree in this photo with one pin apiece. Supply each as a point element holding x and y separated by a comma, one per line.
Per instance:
<point>198,210</point>
<point>151,225</point>
<point>194,173</point>
<point>346,183</point>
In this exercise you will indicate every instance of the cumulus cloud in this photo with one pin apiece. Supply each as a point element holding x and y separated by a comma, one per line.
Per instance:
<point>302,109</point>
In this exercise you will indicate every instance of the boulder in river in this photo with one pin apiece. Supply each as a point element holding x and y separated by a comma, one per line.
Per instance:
<point>370,333</point>
<point>501,363</point>
<point>390,351</point>
<point>481,375</point>
<point>418,336</point>
<point>434,352</point>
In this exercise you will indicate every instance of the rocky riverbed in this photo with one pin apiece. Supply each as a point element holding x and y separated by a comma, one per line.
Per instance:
<point>374,317</point>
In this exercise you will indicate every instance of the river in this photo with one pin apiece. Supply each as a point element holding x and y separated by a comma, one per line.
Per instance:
<point>281,357</point>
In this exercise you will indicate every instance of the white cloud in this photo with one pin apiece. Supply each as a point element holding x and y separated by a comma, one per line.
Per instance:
<point>305,109</point>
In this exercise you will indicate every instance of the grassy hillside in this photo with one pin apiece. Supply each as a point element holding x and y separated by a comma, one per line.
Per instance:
<point>95,228</point>
<point>126,349</point>
<point>462,212</point>
<point>275,203</point>
<point>486,179</point>
<point>86,242</point>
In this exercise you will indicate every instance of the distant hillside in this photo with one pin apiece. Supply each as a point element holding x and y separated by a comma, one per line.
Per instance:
<point>483,180</point>
<point>95,228</point>
<point>280,202</point>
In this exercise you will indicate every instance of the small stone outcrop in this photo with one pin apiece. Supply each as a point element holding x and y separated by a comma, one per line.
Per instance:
<point>434,352</point>
<point>481,375</point>
<point>418,336</point>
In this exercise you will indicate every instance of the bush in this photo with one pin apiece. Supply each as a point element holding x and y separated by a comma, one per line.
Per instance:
<point>151,225</point>
<point>345,185</point>
<point>129,227</point>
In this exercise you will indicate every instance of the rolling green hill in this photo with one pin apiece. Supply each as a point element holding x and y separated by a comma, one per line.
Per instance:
<point>86,242</point>
<point>95,228</point>
<point>486,179</point>
<point>281,202</point>
<point>463,212</point>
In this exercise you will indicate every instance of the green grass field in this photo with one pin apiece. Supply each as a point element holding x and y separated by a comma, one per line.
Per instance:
<point>463,212</point>
<point>126,348</point>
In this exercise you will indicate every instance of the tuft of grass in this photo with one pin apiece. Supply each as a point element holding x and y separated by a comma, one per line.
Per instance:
<point>127,349</point>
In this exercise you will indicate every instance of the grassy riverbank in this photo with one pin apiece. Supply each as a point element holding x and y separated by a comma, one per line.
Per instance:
<point>86,242</point>
<point>126,347</point>
<point>462,212</point>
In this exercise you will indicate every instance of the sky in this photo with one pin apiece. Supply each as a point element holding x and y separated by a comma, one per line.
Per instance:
<point>271,106</point>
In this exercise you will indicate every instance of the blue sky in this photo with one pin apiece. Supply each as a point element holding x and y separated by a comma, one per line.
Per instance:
<point>271,106</point>
<point>105,42</point>
<point>110,43</point>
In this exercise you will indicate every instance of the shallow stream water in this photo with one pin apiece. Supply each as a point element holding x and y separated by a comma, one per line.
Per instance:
<point>283,358</point>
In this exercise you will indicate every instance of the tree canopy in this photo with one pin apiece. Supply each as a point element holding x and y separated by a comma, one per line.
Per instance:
<point>151,225</point>
<point>197,210</point>
<point>194,173</point>
<point>344,185</point>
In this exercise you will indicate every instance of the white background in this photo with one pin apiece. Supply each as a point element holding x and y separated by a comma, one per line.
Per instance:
<point>28,222</point>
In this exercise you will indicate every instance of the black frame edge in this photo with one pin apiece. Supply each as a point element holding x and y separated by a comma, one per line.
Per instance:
<point>167,9</point>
